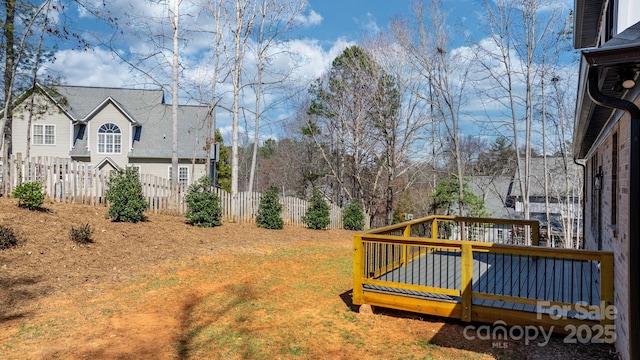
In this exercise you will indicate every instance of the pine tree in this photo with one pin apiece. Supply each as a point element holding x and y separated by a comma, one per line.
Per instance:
<point>269,211</point>
<point>353,217</point>
<point>317,216</point>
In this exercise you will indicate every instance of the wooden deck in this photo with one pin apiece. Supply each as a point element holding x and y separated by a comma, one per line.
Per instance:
<point>411,266</point>
<point>543,279</point>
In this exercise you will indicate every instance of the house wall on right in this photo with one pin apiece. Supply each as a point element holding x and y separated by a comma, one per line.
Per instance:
<point>606,220</point>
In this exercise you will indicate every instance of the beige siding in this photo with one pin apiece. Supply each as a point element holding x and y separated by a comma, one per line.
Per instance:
<point>47,114</point>
<point>161,169</point>
<point>110,114</point>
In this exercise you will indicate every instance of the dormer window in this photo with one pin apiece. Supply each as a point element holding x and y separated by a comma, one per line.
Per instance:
<point>109,139</point>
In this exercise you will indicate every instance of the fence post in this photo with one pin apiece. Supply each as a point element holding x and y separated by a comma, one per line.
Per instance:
<point>466,280</point>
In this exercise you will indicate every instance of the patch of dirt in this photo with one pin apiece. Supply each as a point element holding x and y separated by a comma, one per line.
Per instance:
<point>166,290</point>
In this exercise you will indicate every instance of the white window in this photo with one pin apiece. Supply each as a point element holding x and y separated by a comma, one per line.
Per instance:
<point>43,134</point>
<point>183,175</point>
<point>109,139</point>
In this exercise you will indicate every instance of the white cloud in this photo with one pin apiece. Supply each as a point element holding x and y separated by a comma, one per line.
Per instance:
<point>370,26</point>
<point>313,59</point>
<point>310,19</point>
<point>95,67</point>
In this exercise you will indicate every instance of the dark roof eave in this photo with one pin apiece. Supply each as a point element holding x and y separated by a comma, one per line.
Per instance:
<point>597,58</point>
<point>612,55</point>
<point>586,22</point>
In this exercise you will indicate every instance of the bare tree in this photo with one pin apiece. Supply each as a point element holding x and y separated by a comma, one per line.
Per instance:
<point>243,13</point>
<point>399,115</point>
<point>344,104</point>
<point>274,19</point>
<point>425,39</point>
<point>571,194</point>
<point>14,53</point>
<point>174,17</point>
<point>34,78</point>
<point>508,73</point>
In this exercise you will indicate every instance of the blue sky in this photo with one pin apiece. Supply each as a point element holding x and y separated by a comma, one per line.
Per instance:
<point>326,27</point>
<point>330,25</point>
<point>349,19</point>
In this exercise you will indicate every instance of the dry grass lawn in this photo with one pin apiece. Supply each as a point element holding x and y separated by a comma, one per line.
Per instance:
<point>162,289</point>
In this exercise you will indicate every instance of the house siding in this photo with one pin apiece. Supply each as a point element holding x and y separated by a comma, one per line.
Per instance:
<point>98,106</point>
<point>161,168</point>
<point>110,114</point>
<point>615,239</point>
<point>45,114</point>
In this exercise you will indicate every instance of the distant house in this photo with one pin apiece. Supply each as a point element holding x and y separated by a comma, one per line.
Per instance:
<point>493,191</point>
<point>564,190</point>
<point>607,138</point>
<point>111,128</point>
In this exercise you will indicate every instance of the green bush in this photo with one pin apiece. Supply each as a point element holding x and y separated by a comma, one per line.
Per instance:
<point>29,195</point>
<point>125,196</point>
<point>353,217</point>
<point>82,234</point>
<point>269,211</point>
<point>317,216</point>
<point>203,205</point>
<point>7,238</point>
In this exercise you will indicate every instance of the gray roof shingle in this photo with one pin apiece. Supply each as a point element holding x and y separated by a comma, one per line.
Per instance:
<point>147,110</point>
<point>558,177</point>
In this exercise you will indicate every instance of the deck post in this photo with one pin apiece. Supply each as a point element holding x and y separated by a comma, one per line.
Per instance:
<point>405,249</point>
<point>358,257</point>
<point>466,280</point>
<point>535,233</point>
<point>434,229</point>
<point>606,287</point>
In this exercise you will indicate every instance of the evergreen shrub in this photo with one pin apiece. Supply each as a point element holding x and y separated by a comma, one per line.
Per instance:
<point>203,205</point>
<point>317,216</point>
<point>269,216</point>
<point>29,195</point>
<point>125,196</point>
<point>353,217</point>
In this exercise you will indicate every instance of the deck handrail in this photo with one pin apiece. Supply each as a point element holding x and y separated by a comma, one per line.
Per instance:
<point>377,252</point>
<point>531,228</point>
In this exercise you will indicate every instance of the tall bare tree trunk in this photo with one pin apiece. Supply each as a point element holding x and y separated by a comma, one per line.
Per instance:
<point>9,72</point>
<point>258,90</point>
<point>34,82</point>
<point>545,165</point>
<point>244,17</point>
<point>175,184</point>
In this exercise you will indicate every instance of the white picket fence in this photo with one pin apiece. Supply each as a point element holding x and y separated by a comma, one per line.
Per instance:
<point>69,181</point>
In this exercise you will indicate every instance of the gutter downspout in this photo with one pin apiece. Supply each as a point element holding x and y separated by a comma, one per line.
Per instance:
<point>584,192</point>
<point>634,204</point>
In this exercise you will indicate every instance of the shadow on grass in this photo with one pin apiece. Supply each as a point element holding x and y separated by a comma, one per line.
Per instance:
<point>472,336</point>
<point>192,324</point>
<point>15,293</point>
<point>347,299</point>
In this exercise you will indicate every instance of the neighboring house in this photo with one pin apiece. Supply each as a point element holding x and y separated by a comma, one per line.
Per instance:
<point>111,128</point>
<point>493,191</point>
<point>564,191</point>
<point>607,139</point>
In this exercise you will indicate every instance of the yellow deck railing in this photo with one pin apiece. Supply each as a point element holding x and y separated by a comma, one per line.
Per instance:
<point>412,266</point>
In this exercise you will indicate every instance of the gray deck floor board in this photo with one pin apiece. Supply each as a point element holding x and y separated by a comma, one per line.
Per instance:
<point>544,279</point>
